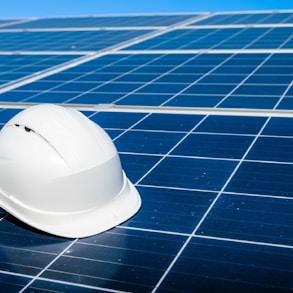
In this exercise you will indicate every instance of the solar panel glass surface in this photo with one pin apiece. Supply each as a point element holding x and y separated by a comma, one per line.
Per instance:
<point>216,189</point>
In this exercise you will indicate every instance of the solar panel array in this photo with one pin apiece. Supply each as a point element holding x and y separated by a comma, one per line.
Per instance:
<point>199,107</point>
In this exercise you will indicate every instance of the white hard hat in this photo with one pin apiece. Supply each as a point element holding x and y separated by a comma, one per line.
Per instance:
<point>61,173</point>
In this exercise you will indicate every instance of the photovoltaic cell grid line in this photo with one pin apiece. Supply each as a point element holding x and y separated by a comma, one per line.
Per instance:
<point>236,246</point>
<point>255,81</point>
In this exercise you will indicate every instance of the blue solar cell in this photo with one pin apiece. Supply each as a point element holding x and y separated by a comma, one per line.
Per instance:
<point>134,77</point>
<point>117,120</point>
<point>6,114</point>
<point>223,79</point>
<point>144,99</point>
<point>279,126</point>
<point>213,146</point>
<point>15,96</point>
<point>195,101</point>
<point>272,149</point>
<point>161,209</point>
<point>285,104</point>
<point>195,69</point>
<point>169,122</point>
<point>161,87</point>
<point>123,261</point>
<point>234,69</point>
<point>250,102</point>
<point>178,78</point>
<point>263,178</point>
<point>270,79</point>
<point>239,217</point>
<point>50,97</point>
<point>188,173</point>
<point>218,89</point>
<point>247,59</point>
<point>116,87</point>
<point>136,165</point>
<point>12,283</point>
<point>40,86</point>
<point>147,142</point>
<point>231,124</point>
<point>95,98</point>
<point>275,70</point>
<point>260,90</point>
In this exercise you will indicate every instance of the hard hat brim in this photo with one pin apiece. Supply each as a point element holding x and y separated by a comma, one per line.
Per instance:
<point>78,224</point>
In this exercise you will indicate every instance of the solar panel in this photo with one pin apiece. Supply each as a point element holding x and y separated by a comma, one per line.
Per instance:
<point>14,67</point>
<point>220,38</point>
<point>247,18</point>
<point>200,111</point>
<point>104,21</point>
<point>65,40</point>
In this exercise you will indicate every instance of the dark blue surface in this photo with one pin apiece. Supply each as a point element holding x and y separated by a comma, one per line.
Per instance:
<point>272,149</point>
<point>232,124</point>
<point>169,122</point>
<point>263,178</point>
<point>12,283</point>
<point>121,259</point>
<point>162,211</point>
<point>238,217</point>
<point>190,173</point>
<point>279,126</point>
<point>213,146</point>
<point>211,265</point>
<point>148,142</point>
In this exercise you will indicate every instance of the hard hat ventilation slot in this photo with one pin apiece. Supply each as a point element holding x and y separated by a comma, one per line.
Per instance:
<point>27,129</point>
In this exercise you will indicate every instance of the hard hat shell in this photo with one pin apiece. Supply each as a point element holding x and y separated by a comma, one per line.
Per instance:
<point>61,173</point>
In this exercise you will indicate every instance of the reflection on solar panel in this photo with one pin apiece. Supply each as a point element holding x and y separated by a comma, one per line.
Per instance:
<point>200,109</point>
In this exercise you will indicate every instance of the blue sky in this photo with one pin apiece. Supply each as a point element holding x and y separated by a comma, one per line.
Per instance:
<point>39,8</point>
